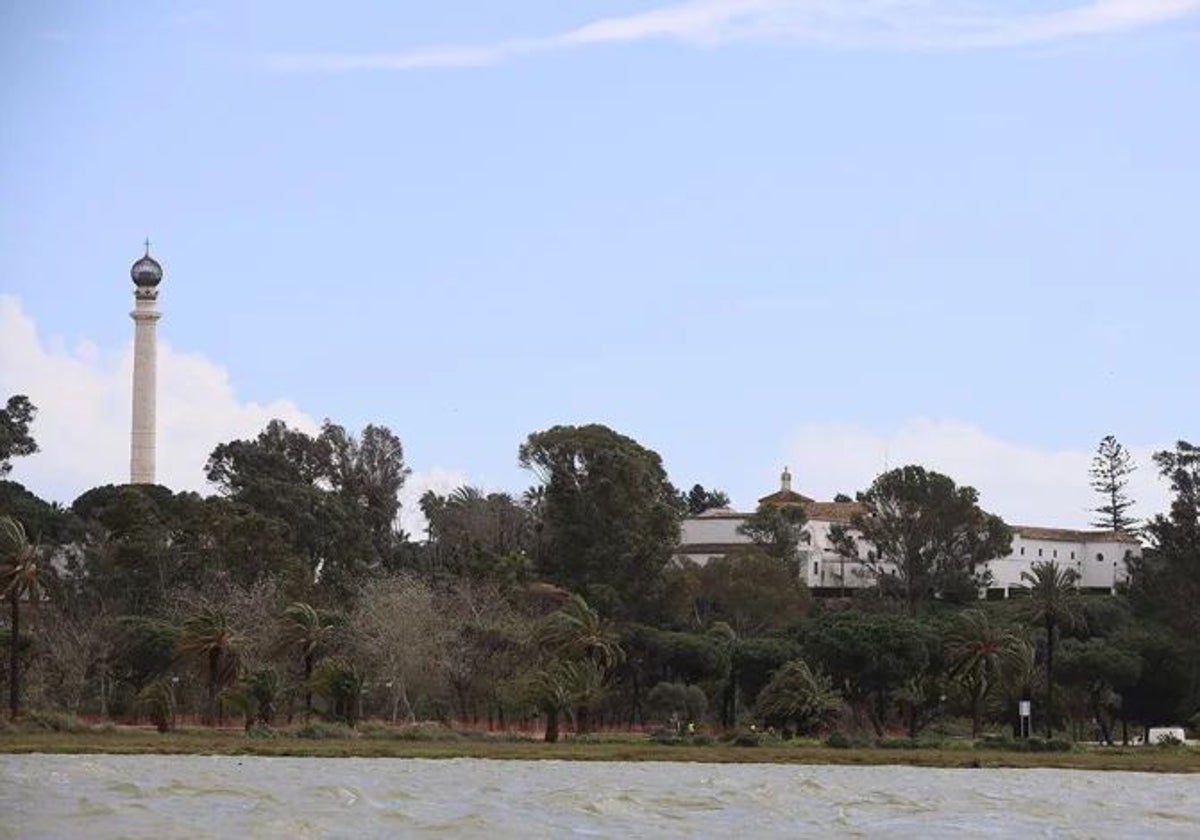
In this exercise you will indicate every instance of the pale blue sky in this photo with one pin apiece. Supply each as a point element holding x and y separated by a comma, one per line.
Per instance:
<point>711,227</point>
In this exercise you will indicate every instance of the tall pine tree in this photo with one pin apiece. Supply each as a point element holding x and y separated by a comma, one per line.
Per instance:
<point>1110,472</point>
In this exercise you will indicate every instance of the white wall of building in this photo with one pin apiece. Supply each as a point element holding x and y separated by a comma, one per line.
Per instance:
<point>1100,560</point>
<point>709,530</point>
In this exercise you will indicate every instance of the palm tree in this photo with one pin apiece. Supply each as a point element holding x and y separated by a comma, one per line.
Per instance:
<point>576,631</point>
<point>157,700</point>
<point>255,696</point>
<point>574,636</point>
<point>208,636</point>
<point>726,639</point>
<point>18,579</point>
<point>342,685</point>
<point>549,690</point>
<point>303,629</point>
<point>798,697</point>
<point>584,683</point>
<point>981,656</point>
<point>1053,603</point>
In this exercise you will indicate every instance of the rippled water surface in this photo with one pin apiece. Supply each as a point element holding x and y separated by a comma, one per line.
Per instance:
<point>220,796</point>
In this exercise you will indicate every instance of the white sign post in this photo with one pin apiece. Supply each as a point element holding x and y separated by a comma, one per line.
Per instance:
<point>1025,710</point>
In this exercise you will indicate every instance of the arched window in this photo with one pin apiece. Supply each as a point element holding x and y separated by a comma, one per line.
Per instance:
<point>1099,558</point>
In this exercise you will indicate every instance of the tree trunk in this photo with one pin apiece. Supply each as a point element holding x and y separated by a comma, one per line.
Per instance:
<point>1049,680</point>
<point>1103,721</point>
<point>308,669</point>
<point>728,703</point>
<point>460,696</point>
<point>977,715</point>
<point>400,696</point>
<point>876,713</point>
<point>214,661</point>
<point>14,663</point>
<point>552,726</point>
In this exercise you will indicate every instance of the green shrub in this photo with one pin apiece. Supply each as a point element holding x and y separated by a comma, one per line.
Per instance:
<point>996,742</point>
<point>416,733</point>
<point>157,701</point>
<point>666,736</point>
<point>1169,741</point>
<point>594,738</point>
<point>261,730</point>
<point>747,738</point>
<point>58,721</point>
<point>838,740</point>
<point>1035,744</point>
<point>319,731</point>
<point>910,744</point>
<point>1057,745</point>
<point>842,741</point>
<point>426,733</point>
<point>513,737</point>
<point>341,684</point>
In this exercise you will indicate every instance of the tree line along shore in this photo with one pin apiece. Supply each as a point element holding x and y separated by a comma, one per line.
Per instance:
<point>289,599</point>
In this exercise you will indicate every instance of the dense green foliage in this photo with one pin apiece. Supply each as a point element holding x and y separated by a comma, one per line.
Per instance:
<point>608,521</point>
<point>927,537</point>
<point>1111,468</point>
<point>291,595</point>
<point>15,439</point>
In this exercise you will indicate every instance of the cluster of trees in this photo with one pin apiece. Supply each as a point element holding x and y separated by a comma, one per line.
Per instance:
<point>291,593</point>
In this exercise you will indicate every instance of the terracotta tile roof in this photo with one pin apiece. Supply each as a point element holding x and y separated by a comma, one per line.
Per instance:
<point>1033,532</point>
<point>838,512</point>
<point>842,512</point>
<point>784,497</point>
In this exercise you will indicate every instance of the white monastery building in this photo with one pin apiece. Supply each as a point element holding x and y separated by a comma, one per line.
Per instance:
<point>1100,557</point>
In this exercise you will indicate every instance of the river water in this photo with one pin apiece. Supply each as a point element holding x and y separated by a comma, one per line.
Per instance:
<point>101,796</point>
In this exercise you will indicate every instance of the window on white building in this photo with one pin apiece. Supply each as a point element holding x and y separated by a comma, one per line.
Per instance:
<point>1039,552</point>
<point>1022,551</point>
<point>1099,558</point>
<point>1072,555</point>
<point>1056,552</point>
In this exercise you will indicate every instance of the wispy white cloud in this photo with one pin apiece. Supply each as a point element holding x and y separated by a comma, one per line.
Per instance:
<point>1024,484</point>
<point>82,426</point>
<point>83,398</point>
<point>901,25</point>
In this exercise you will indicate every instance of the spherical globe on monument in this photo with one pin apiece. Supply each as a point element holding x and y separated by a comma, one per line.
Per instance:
<point>146,272</point>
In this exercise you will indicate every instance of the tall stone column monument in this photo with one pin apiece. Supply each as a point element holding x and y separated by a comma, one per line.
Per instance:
<point>146,274</point>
